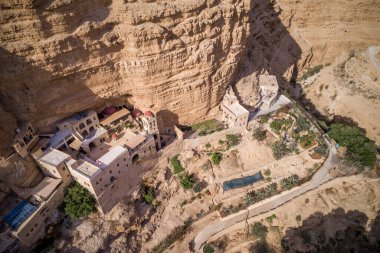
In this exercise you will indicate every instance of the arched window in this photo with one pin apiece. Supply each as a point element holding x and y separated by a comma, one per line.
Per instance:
<point>81,125</point>
<point>135,158</point>
<point>84,133</point>
<point>88,122</point>
<point>91,129</point>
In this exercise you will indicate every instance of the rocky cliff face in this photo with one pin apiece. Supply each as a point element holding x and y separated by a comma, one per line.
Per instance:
<point>63,56</point>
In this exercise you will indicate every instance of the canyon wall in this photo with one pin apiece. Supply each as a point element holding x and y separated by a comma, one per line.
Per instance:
<point>172,57</point>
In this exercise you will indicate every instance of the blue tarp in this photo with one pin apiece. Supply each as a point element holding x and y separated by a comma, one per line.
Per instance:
<point>241,182</point>
<point>19,214</point>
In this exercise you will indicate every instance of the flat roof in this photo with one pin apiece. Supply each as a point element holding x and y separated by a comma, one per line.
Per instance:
<point>132,140</point>
<point>268,81</point>
<point>111,155</point>
<point>100,131</point>
<point>46,187</point>
<point>54,157</point>
<point>115,116</point>
<point>87,168</point>
<point>237,109</point>
<point>76,117</point>
<point>19,214</point>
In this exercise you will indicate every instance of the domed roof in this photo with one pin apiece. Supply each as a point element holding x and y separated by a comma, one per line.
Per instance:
<point>136,113</point>
<point>114,136</point>
<point>109,110</point>
<point>149,114</point>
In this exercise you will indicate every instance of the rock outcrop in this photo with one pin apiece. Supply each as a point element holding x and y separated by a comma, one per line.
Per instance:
<point>62,56</point>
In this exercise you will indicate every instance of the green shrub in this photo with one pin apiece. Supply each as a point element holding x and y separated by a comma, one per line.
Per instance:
<point>177,234</point>
<point>147,193</point>
<point>78,201</point>
<point>177,167</point>
<point>187,181</point>
<point>361,151</point>
<point>233,140</point>
<point>302,124</point>
<point>264,119</point>
<point>280,149</point>
<point>280,124</point>
<point>208,249</point>
<point>216,158</point>
<point>289,182</point>
<point>271,218</point>
<point>311,71</point>
<point>308,139</point>
<point>267,172</point>
<point>221,142</point>
<point>207,127</point>
<point>198,187</point>
<point>298,218</point>
<point>259,230</point>
<point>260,134</point>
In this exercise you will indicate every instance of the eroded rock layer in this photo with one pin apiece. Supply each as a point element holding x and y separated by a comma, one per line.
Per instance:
<point>63,56</point>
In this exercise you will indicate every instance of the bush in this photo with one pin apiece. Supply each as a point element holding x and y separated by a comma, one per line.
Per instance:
<point>289,182</point>
<point>198,187</point>
<point>302,124</point>
<point>307,140</point>
<point>147,193</point>
<point>233,140</point>
<point>216,158</point>
<point>208,145</point>
<point>260,134</point>
<point>177,167</point>
<point>259,230</point>
<point>298,218</point>
<point>264,119</point>
<point>311,71</point>
<point>280,150</point>
<point>178,233</point>
<point>361,150</point>
<point>208,249</point>
<point>78,201</point>
<point>221,142</point>
<point>270,219</point>
<point>187,181</point>
<point>267,172</point>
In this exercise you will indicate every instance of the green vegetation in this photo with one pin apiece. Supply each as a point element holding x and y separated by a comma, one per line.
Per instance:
<point>147,193</point>
<point>264,119</point>
<point>361,151</point>
<point>267,172</point>
<point>78,201</point>
<point>271,218</point>
<point>233,140</point>
<point>280,149</point>
<point>198,187</point>
<point>260,134</point>
<point>216,158</point>
<point>207,127</point>
<point>261,246</point>
<point>255,196</point>
<point>221,142</point>
<point>298,218</point>
<point>308,139</point>
<point>208,249</point>
<point>302,124</point>
<point>177,166</point>
<point>259,230</point>
<point>208,145</point>
<point>187,181</point>
<point>290,182</point>
<point>280,124</point>
<point>311,71</point>
<point>177,234</point>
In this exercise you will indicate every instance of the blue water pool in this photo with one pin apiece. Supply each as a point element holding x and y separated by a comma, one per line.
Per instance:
<point>241,182</point>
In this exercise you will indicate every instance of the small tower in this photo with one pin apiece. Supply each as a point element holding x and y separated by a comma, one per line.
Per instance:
<point>26,138</point>
<point>149,121</point>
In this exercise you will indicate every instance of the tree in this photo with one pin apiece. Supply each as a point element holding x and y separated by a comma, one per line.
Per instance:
<point>187,181</point>
<point>78,201</point>
<point>259,230</point>
<point>208,249</point>
<point>302,124</point>
<point>280,149</point>
<point>233,140</point>
<point>361,150</point>
<point>216,158</point>
<point>260,134</point>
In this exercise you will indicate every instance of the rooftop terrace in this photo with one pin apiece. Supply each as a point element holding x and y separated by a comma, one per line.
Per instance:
<point>54,157</point>
<point>237,109</point>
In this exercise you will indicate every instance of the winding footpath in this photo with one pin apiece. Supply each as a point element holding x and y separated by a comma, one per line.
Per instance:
<point>319,178</point>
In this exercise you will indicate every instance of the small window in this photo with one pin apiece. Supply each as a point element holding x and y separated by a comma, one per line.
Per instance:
<point>125,159</point>
<point>101,179</point>
<point>111,171</point>
<point>101,189</point>
<point>32,230</point>
<point>27,234</point>
<point>119,171</point>
<point>35,225</point>
<point>97,182</point>
<point>63,168</point>
<point>117,165</point>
